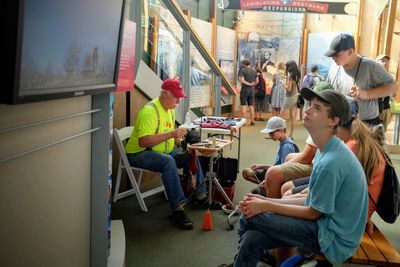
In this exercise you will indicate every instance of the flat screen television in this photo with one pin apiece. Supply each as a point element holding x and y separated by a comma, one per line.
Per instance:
<point>61,48</point>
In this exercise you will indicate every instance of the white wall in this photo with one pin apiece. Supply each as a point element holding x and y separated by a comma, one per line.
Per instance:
<point>45,195</point>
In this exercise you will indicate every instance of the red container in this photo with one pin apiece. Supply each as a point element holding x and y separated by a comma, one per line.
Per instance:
<point>229,188</point>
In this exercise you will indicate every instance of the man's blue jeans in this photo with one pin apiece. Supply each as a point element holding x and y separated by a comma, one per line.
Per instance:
<point>269,230</point>
<point>168,165</point>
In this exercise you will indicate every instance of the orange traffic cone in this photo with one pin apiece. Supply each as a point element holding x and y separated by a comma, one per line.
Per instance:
<point>207,225</point>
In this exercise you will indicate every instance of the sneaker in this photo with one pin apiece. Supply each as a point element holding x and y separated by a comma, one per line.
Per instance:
<point>252,123</point>
<point>180,218</point>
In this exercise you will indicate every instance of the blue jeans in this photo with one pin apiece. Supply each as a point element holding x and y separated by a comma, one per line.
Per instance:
<point>269,230</point>
<point>167,165</point>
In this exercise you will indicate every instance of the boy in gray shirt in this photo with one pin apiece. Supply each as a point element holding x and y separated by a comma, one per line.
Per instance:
<point>368,79</point>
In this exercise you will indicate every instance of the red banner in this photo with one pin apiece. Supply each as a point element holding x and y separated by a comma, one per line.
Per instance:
<point>289,6</point>
<point>126,72</point>
<point>301,6</point>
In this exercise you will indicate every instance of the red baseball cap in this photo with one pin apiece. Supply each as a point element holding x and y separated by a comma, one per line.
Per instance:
<point>174,86</point>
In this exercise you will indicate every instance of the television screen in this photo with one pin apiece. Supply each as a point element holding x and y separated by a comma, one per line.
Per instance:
<point>66,48</point>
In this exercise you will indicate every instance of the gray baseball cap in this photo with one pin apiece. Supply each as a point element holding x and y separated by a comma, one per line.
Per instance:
<point>340,105</point>
<point>273,124</point>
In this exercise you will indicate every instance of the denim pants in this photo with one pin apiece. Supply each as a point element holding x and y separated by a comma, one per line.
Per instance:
<point>269,230</point>
<point>167,165</point>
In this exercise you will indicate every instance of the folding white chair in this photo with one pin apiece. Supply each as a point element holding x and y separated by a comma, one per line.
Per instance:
<point>120,136</point>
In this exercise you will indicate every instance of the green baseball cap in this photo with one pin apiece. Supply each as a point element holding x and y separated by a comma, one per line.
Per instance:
<point>323,86</point>
<point>339,103</point>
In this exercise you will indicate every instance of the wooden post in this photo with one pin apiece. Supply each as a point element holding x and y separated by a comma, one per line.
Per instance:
<point>359,25</point>
<point>304,47</point>
<point>390,27</point>
<point>379,37</point>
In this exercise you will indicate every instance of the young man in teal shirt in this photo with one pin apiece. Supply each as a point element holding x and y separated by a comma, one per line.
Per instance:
<point>331,220</point>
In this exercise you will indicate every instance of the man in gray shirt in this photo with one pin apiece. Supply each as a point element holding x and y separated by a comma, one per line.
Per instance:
<point>248,78</point>
<point>368,79</point>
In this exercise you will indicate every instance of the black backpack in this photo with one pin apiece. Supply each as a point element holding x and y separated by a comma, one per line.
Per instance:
<point>388,205</point>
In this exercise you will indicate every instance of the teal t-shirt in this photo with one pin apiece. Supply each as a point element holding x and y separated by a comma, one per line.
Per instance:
<point>146,124</point>
<point>338,189</point>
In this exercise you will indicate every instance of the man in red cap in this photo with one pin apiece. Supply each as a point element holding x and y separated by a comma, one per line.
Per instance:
<point>152,147</point>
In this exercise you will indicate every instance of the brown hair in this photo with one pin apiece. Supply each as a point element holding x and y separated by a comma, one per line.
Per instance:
<point>367,145</point>
<point>281,66</point>
<point>314,68</point>
<point>246,62</point>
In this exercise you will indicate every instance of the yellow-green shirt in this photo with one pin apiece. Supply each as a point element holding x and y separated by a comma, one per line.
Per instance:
<point>146,124</point>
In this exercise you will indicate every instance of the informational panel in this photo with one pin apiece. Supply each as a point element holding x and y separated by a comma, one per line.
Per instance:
<point>200,73</point>
<point>111,119</point>
<point>318,44</point>
<point>169,50</point>
<point>204,30</point>
<point>225,57</point>
<point>126,71</point>
<point>267,40</point>
<point>226,50</point>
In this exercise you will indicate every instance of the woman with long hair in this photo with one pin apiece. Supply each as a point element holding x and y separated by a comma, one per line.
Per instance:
<point>367,148</point>
<point>259,95</point>
<point>278,91</point>
<point>292,93</point>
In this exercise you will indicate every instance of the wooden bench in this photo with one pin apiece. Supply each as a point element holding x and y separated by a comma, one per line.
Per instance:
<point>374,250</point>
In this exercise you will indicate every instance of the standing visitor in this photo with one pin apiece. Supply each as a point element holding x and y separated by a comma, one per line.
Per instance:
<point>248,78</point>
<point>259,95</point>
<point>291,96</point>
<point>370,80</point>
<point>278,91</point>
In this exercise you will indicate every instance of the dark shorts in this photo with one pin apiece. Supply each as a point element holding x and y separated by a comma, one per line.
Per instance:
<point>260,174</point>
<point>372,122</point>
<point>300,184</point>
<point>246,96</point>
<point>298,189</point>
<point>260,102</point>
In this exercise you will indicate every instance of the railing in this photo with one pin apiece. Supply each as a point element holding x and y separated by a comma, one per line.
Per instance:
<point>174,49</point>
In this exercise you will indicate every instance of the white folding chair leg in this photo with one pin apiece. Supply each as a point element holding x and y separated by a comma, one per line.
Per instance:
<point>118,195</point>
<point>136,189</point>
<point>120,136</point>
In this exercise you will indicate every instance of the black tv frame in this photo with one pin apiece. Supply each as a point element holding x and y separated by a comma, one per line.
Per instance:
<point>13,15</point>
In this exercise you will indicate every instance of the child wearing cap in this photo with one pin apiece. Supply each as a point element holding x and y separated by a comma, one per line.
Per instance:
<point>331,220</point>
<point>276,129</point>
<point>367,148</point>
<point>296,165</point>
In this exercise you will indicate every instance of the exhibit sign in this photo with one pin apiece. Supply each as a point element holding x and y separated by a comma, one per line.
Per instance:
<point>289,6</point>
<point>126,72</point>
